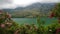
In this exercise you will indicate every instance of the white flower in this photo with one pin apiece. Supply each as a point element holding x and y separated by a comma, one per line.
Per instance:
<point>50,30</point>
<point>9,23</point>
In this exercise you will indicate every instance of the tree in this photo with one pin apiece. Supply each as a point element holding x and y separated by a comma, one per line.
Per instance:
<point>56,12</point>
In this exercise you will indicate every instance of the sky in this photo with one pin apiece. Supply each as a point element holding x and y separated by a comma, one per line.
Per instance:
<point>15,3</point>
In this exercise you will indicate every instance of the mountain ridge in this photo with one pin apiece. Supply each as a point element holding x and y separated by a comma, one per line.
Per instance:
<point>31,10</point>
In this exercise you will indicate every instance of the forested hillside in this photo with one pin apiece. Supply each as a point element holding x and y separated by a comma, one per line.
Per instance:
<point>32,10</point>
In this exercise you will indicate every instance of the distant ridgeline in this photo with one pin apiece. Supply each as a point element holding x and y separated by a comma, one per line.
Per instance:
<point>42,9</point>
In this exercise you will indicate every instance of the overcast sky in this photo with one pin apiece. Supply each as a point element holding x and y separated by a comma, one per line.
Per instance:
<point>15,3</point>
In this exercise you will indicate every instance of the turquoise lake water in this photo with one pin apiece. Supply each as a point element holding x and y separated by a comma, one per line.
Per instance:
<point>34,20</point>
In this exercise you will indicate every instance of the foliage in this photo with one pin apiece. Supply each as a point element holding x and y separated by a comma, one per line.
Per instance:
<point>7,26</point>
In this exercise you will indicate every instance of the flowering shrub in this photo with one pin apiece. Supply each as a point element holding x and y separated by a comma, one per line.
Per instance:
<point>56,13</point>
<point>52,15</point>
<point>7,26</point>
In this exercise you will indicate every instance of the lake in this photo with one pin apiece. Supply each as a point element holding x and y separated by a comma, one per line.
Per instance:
<point>34,20</point>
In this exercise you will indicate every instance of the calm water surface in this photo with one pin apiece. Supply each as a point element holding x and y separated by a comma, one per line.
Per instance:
<point>34,20</point>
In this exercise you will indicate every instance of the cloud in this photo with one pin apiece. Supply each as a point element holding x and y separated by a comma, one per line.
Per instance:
<point>6,6</point>
<point>50,1</point>
<point>24,2</point>
<point>14,3</point>
<point>5,1</point>
<point>28,2</point>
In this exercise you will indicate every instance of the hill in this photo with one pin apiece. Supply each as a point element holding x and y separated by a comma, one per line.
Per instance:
<point>32,10</point>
